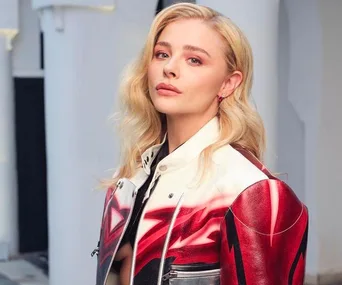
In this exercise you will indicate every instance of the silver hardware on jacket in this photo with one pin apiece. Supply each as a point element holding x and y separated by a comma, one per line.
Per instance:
<point>204,277</point>
<point>167,239</point>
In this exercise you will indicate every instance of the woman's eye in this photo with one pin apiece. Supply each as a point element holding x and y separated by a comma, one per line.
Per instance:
<point>195,61</point>
<point>161,55</point>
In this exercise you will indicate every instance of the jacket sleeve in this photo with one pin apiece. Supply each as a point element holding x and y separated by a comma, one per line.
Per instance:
<point>264,237</point>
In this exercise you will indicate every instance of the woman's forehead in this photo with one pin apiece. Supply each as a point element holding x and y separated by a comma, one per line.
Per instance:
<point>193,32</point>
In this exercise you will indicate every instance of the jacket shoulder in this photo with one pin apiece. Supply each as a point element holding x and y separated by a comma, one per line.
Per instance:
<point>237,170</point>
<point>268,207</point>
<point>264,219</point>
<point>259,198</point>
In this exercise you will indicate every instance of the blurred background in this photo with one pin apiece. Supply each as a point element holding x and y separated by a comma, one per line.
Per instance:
<point>60,66</point>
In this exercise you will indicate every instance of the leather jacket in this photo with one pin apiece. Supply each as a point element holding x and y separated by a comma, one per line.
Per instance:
<point>238,226</point>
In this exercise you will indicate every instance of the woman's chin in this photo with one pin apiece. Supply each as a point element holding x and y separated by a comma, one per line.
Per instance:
<point>167,108</point>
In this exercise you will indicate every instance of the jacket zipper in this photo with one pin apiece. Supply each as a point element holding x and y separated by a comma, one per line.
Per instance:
<point>131,279</point>
<point>190,274</point>
<point>167,239</point>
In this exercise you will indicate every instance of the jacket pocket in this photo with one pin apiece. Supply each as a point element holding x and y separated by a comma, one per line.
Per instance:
<point>192,275</point>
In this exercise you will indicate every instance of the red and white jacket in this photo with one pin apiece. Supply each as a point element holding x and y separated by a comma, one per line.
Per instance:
<point>239,226</point>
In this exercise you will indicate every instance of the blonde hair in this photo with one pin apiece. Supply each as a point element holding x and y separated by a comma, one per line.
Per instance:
<point>142,126</point>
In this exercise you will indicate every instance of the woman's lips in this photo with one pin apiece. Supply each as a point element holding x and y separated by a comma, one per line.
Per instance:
<point>167,90</point>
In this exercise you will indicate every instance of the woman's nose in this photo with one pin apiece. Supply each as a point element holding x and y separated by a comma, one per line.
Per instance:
<point>171,70</point>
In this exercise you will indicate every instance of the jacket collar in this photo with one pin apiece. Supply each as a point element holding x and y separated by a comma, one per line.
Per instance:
<point>188,151</point>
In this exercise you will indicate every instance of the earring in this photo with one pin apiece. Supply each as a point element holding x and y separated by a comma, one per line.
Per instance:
<point>220,98</point>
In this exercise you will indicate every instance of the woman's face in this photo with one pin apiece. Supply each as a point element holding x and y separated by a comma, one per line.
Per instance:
<point>188,69</point>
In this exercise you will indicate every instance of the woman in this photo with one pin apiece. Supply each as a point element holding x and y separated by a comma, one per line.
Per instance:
<point>192,203</point>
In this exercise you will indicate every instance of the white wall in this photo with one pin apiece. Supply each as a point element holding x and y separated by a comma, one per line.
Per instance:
<point>299,64</point>
<point>329,167</point>
<point>26,47</point>
<point>9,14</point>
<point>310,134</point>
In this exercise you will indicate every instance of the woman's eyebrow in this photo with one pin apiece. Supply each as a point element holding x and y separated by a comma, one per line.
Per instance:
<point>194,48</point>
<point>164,44</point>
<point>186,47</point>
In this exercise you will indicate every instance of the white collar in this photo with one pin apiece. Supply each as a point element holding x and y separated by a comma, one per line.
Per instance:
<point>185,153</point>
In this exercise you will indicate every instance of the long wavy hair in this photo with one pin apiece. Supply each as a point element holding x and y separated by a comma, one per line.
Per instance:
<point>142,126</point>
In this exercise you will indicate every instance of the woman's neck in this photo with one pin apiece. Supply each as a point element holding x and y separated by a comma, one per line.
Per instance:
<point>182,128</point>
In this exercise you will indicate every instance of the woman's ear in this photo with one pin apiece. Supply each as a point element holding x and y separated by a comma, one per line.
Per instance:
<point>231,82</point>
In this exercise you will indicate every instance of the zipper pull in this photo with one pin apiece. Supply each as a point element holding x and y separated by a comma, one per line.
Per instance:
<point>166,276</point>
<point>96,250</point>
<point>170,274</point>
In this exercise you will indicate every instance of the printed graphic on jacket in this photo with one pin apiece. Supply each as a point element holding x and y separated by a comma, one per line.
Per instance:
<point>250,224</point>
<point>195,239</point>
<point>118,206</point>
